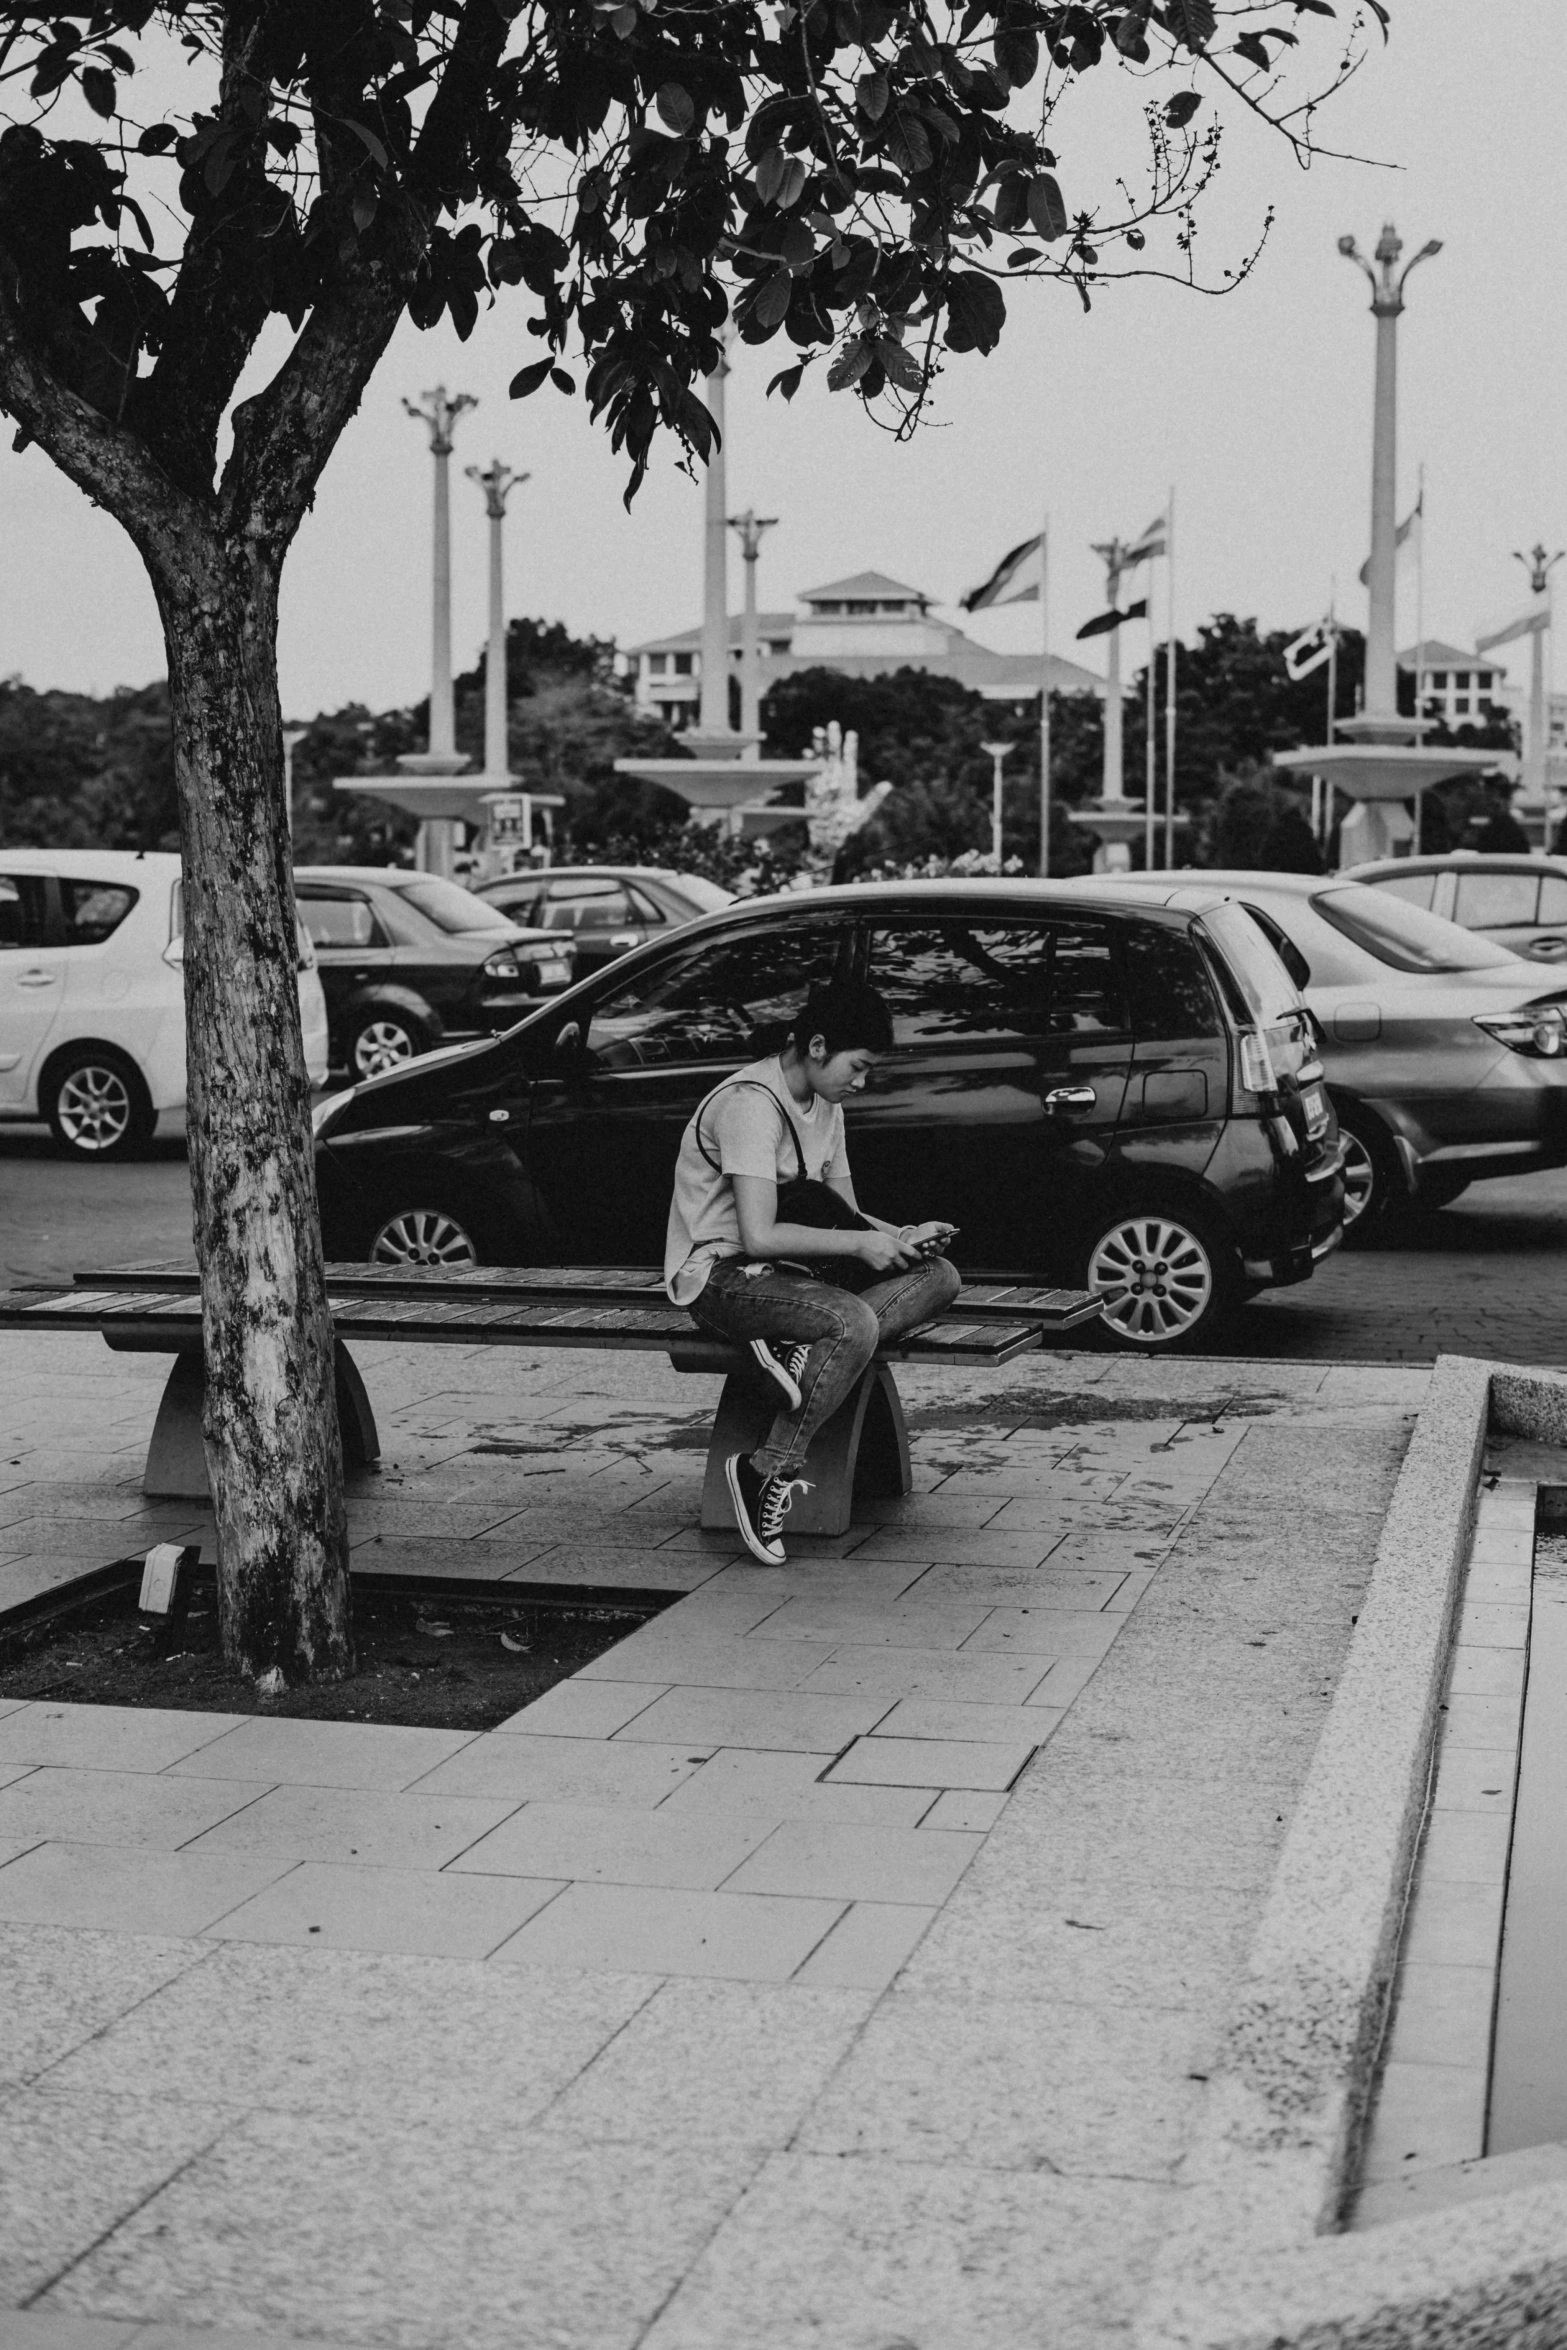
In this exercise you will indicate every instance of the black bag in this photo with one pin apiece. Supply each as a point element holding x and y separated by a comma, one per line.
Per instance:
<point>804,1200</point>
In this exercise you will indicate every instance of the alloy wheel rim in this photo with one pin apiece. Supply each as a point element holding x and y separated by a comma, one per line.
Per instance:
<point>1155,1276</point>
<point>1360,1178</point>
<point>423,1236</point>
<point>94,1108</point>
<point>381,1045</point>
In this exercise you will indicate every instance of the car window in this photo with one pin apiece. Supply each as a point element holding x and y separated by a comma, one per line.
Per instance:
<point>23,911</point>
<point>605,910</point>
<point>1416,889</point>
<point>344,921</point>
<point>706,896</point>
<point>1402,936</point>
<point>1168,983</point>
<point>951,980</point>
<point>451,909</point>
<point>1494,901</point>
<point>1553,898</point>
<point>1267,993</point>
<point>727,1000</point>
<point>94,910</point>
<point>643,908</point>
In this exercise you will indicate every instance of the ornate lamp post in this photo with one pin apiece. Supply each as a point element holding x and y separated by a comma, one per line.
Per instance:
<point>439,413</point>
<point>497,482</point>
<point>997,753</point>
<point>1539,566</point>
<point>750,526</point>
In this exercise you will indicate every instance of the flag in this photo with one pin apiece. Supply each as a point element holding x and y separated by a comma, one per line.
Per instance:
<point>1528,623</point>
<point>1404,532</point>
<point>1103,622</point>
<point>1309,650</point>
<point>1016,579</point>
<point>1144,549</point>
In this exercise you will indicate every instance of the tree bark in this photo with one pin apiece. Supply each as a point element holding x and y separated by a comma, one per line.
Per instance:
<point>273,1449</point>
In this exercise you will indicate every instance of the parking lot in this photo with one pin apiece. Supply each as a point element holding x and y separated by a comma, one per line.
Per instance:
<point>1483,1277</point>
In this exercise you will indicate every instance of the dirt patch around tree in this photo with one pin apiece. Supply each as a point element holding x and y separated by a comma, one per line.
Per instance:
<point>426,1655</point>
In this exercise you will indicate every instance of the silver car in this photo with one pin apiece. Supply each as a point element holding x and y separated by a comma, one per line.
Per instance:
<point>1514,900</point>
<point>1445,1054</point>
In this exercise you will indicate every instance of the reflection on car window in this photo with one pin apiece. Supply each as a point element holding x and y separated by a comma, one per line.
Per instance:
<point>1416,889</point>
<point>21,910</point>
<point>959,979</point>
<point>603,909</point>
<point>339,922</point>
<point>452,909</point>
<point>1553,898</point>
<point>1171,993</point>
<point>1402,936</point>
<point>94,910</point>
<point>1494,901</point>
<point>727,1001</point>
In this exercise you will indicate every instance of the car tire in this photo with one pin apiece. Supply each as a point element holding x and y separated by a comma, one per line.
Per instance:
<point>1375,1193</point>
<point>1170,1273</point>
<point>423,1234</point>
<point>382,1037</point>
<point>97,1104</point>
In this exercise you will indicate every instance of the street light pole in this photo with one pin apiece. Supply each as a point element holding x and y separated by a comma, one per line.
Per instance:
<point>497,482</point>
<point>1539,566</point>
<point>998,752</point>
<point>750,526</point>
<point>440,414</point>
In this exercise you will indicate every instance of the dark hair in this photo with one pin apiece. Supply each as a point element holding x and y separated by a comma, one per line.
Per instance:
<point>846,1016</point>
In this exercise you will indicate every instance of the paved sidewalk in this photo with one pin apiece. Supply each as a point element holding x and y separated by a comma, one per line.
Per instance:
<point>755,1986</point>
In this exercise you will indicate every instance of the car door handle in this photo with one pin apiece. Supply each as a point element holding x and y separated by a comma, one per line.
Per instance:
<point>626,938</point>
<point>37,978</point>
<point>1068,1101</point>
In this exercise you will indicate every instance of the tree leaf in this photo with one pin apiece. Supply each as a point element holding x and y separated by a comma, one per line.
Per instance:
<point>872,91</point>
<point>157,139</point>
<point>1181,108</point>
<point>1046,210</point>
<point>561,380</point>
<point>770,173</point>
<point>798,245</point>
<point>675,107</point>
<point>976,312</point>
<point>1017,54</point>
<point>792,186</point>
<point>1254,49</point>
<point>787,380</point>
<point>772,303</point>
<point>897,365</point>
<point>528,379</point>
<point>850,364</point>
<point>98,89</point>
<point>371,144</point>
<point>1193,22</point>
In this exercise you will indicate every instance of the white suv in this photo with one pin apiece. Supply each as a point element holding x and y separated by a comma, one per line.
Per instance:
<point>92,997</point>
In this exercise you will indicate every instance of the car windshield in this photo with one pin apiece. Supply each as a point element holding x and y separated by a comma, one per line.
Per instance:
<point>451,908</point>
<point>704,893</point>
<point>1403,936</point>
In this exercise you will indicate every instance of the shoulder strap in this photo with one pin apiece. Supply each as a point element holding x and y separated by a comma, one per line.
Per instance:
<point>752,1085</point>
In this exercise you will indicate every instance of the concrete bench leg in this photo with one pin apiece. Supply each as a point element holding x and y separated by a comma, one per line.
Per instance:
<point>176,1457</point>
<point>862,1452</point>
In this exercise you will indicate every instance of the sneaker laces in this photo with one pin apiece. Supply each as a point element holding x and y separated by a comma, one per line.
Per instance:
<point>776,1503</point>
<point>795,1359</point>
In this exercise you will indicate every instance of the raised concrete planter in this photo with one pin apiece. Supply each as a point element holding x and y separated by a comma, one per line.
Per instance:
<point>1255,2262</point>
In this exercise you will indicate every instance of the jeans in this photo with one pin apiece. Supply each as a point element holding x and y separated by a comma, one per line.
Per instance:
<point>746,1298</point>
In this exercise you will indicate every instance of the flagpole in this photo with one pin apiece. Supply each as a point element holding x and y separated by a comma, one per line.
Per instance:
<point>1169,686</point>
<point>1044,698</point>
<point>1420,636</point>
<point>1327,787</point>
<point>1150,750</point>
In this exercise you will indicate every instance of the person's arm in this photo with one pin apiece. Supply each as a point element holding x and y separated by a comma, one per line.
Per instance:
<point>912,1236</point>
<point>762,1235</point>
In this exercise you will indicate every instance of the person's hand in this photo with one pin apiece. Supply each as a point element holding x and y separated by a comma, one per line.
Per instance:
<point>884,1252</point>
<point>929,1240</point>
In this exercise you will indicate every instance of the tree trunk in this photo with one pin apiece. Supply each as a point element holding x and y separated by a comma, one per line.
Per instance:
<point>273,1449</point>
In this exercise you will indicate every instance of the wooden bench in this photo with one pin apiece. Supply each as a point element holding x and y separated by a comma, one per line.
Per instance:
<point>863,1450</point>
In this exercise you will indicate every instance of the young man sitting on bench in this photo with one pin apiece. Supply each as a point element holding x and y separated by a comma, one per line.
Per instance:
<point>767,1247</point>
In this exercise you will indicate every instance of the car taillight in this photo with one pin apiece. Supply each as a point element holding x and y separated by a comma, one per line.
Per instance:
<point>1537,1030</point>
<point>1256,1063</point>
<point>502,964</point>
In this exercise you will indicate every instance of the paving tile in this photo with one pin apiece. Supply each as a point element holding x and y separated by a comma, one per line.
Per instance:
<point>1487,1625</point>
<point>128,1890</point>
<point>872,2254</point>
<point>990,1725</point>
<point>28,1577</point>
<point>348,1824</point>
<point>116,1807</point>
<point>897,1624</point>
<point>711,1661</point>
<point>1467,1844</point>
<point>1499,1586</point>
<point>1454,1924</point>
<point>1479,1721</point>
<point>1442,2015</point>
<point>846,1863</point>
<point>619,1846</point>
<point>787,1719</point>
<point>1484,1672</point>
<point>1427,2115</point>
<point>585,1709</point>
<point>1080,1589</point>
<point>957,1547</point>
<point>63,1987</point>
<point>962,1807</point>
<point>633,1929</point>
<point>309,2226</point>
<point>1047,1631</point>
<point>31,2329</point>
<point>1469,1778</point>
<point>566,1770</point>
<point>90,1542</point>
<point>869,1946</point>
<point>324,1754</point>
<point>463,1562</point>
<point>930,1762</point>
<point>1096,1939</point>
<point>74,2164</point>
<point>111,1737</point>
<point>789,1786</point>
<point>424,1913</point>
<point>894,1673</point>
<point>929,1509</point>
<point>405,2042</point>
<point>708,2063</point>
<point>631,1569</point>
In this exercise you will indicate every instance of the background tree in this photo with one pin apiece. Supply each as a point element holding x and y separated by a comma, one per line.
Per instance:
<point>863,172</point>
<point>78,772</point>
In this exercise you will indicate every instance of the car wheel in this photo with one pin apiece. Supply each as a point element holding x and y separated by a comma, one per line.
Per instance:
<point>1374,1189</point>
<point>97,1104</point>
<point>1168,1276</point>
<point>422,1236</point>
<point>383,1038</point>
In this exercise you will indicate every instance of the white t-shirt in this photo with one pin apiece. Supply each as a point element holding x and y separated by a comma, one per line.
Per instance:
<point>747,1136</point>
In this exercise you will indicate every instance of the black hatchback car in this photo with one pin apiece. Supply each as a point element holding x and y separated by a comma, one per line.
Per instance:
<point>409,961</point>
<point>1118,1095</point>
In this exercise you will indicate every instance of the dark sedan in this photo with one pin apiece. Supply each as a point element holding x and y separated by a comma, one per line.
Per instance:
<point>1123,1096</point>
<point>606,910</point>
<point>409,961</point>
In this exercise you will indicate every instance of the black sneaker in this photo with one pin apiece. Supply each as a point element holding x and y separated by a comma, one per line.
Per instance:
<point>748,1490</point>
<point>777,1499</point>
<point>783,1365</point>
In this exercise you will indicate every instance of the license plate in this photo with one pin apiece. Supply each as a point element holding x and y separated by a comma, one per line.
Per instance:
<point>554,974</point>
<point>1315,1104</point>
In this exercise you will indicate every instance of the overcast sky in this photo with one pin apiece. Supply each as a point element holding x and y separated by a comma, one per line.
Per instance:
<point>1255,407</point>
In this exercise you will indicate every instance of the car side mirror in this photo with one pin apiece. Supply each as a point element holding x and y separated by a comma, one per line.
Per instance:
<point>568,1045</point>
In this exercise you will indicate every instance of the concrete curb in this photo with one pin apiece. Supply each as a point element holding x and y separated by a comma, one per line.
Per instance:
<point>1252,2263</point>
